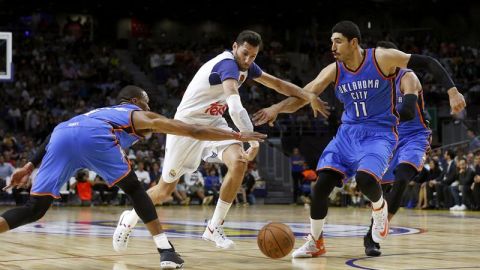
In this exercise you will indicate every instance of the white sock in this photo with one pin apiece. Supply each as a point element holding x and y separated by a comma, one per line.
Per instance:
<point>161,241</point>
<point>131,219</point>
<point>316,227</point>
<point>378,204</point>
<point>220,213</point>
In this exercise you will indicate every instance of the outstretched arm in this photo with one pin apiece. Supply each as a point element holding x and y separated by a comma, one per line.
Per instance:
<point>283,87</point>
<point>20,176</point>
<point>292,104</point>
<point>144,120</point>
<point>389,59</point>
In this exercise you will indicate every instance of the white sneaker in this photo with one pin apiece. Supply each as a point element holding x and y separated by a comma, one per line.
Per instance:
<point>380,223</point>
<point>217,235</point>
<point>312,248</point>
<point>455,208</point>
<point>462,207</point>
<point>121,236</point>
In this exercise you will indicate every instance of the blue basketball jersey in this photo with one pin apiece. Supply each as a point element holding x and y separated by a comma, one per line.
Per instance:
<point>92,140</point>
<point>418,123</point>
<point>120,118</point>
<point>367,95</point>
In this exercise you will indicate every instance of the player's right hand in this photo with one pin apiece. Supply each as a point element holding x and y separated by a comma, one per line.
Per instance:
<point>251,136</point>
<point>320,106</point>
<point>20,176</point>
<point>457,101</point>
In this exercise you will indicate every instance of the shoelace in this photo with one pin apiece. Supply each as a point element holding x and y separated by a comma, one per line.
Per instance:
<point>379,225</point>
<point>124,238</point>
<point>310,241</point>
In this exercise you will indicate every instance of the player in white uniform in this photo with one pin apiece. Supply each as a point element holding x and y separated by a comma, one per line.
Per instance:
<point>213,89</point>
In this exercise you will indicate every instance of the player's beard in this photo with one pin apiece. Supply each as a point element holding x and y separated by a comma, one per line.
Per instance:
<point>238,63</point>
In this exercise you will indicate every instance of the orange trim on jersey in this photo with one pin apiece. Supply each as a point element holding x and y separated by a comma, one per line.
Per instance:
<point>337,76</point>
<point>126,173</point>
<point>420,110</point>
<point>131,124</point>
<point>333,169</point>
<point>385,77</point>
<point>371,173</point>
<point>393,102</point>
<point>420,116</point>
<point>386,181</point>
<point>44,194</point>
<point>419,168</point>
<point>360,66</point>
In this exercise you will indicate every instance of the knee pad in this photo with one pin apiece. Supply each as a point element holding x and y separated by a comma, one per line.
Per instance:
<point>142,203</point>
<point>369,186</point>
<point>404,173</point>
<point>326,181</point>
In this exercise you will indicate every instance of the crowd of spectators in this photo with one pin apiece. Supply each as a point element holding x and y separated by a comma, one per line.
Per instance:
<point>59,74</point>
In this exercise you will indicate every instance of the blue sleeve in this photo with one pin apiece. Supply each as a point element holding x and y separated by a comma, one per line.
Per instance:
<point>254,71</point>
<point>225,69</point>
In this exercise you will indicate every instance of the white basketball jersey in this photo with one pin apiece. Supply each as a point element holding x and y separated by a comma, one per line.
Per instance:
<point>203,100</point>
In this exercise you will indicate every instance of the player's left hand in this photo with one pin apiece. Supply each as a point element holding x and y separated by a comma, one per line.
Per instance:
<point>265,115</point>
<point>457,101</point>
<point>320,106</point>
<point>20,176</point>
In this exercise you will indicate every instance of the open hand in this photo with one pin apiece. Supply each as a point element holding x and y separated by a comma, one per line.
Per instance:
<point>265,115</point>
<point>20,176</point>
<point>320,106</point>
<point>251,136</point>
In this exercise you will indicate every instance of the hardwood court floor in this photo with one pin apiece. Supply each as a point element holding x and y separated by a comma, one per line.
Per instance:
<point>80,238</point>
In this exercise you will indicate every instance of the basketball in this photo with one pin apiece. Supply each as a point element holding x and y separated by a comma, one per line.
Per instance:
<point>275,240</point>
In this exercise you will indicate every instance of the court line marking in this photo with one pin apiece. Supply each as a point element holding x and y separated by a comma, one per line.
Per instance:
<point>351,262</point>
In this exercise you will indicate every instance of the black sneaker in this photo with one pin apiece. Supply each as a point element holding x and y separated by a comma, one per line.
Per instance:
<point>371,248</point>
<point>169,259</point>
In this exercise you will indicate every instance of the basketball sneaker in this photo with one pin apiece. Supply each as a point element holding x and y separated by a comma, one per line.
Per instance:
<point>218,236</point>
<point>312,248</point>
<point>380,224</point>
<point>371,248</point>
<point>121,236</point>
<point>169,259</point>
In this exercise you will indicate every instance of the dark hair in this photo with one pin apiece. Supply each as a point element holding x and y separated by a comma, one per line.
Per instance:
<point>81,174</point>
<point>387,44</point>
<point>251,37</point>
<point>128,92</point>
<point>349,29</point>
<point>450,153</point>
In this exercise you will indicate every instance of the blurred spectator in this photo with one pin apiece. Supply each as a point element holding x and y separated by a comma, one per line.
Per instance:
<point>474,144</point>
<point>475,187</point>
<point>212,184</point>
<point>83,187</point>
<point>180,193</point>
<point>155,173</point>
<point>194,182</point>
<point>296,161</point>
<point>143,176</point>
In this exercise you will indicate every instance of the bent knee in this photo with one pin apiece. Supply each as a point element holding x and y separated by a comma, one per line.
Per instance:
<point>239,164</point>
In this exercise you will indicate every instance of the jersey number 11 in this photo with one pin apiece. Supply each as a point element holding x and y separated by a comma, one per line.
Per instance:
<point>363,108</point>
